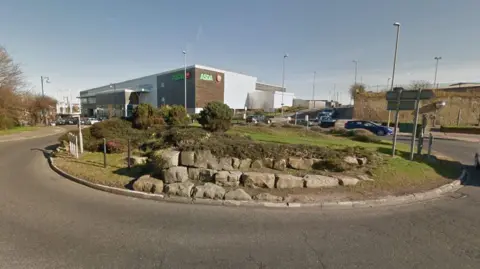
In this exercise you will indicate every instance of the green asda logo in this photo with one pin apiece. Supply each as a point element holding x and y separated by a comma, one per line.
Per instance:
<point>206,77</point>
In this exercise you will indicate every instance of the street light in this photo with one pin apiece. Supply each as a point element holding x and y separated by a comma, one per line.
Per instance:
<point>44,79</point>
<point>436,70</point>
<point>356,66</point>
<point>185,76</point>
<point>285,56</point>
<point>397,24</point>
<point>313,88</point>
<point>114,87</point>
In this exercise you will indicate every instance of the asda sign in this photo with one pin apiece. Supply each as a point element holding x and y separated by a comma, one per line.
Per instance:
<point>180,76</point>
<point>206,77</point>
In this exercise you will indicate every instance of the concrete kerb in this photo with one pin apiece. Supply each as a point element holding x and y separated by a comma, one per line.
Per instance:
<point>385,201</point>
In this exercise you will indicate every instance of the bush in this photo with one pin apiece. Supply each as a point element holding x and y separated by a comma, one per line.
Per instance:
<point>175,115</point>
<point>216,116</point>
<point>112,128</point>
<point>143,116</point>
<point>117,146</point>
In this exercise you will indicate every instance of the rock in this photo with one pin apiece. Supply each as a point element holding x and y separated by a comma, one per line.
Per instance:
<point>225,163</point>
<point>257,164</point>
<point>258,180</point>
<point>362,161</point>
<point>236,163</point>
<point>203,158</point>
<point>228,178</point>
<point>319,181</point>
<point>268,162</point>
<point>285,181</point>
<point>268,197</point>
<point>202,174</point>
<point>137,160</point>
<point>364,178</point>
<point>209,190</point>
<point>350,160</point>
<point>238,194</point>
<point>175,174</point>
<point>187,158</point>
<point>300,164</point>
<point>280,164</point>
<point>245,164</point>
<point>347,181</point>
<point>146,183</point>
<point>166,158</point>
<point>180,189</point>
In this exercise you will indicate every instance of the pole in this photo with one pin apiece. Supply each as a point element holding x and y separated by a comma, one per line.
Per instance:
<point>415,122</point>
<point>356,63</point>
<point>129,155</point>
<point>395,130</point>
<point>313,88</point>
<point>436,70</point>
<point>185,76</point>
<point>394,65</point>
<point>80,136</point>
<point>104,153</point>
<point>430,142</point>
<point>283,79</point>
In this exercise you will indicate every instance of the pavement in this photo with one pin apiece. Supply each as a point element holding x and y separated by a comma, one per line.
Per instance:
<point>450,136</point>
<point>47,221</point>
<point>41,132</point>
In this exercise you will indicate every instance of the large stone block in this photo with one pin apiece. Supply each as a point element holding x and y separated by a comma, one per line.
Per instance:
<point>267,197</point>
<point>146,183</point>
<point>204,158</point>
<point>209,190</point>
<point>201,174</point>
<point>319,181</point>
<point>347,181</point>
<point>175,174</point>
<point>187,158</point>
<point>225,163</point>
<point>166,158</point>
<point>245,164</point>
<point>285,181</point>
<point>280,164</point>
<point>258,180</point>
<point>300,163</point>
<point>238,194</point>
<point>228,178</point>
<point>180,189</point>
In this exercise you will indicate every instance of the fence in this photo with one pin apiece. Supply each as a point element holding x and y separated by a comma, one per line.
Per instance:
<point>73,145</point>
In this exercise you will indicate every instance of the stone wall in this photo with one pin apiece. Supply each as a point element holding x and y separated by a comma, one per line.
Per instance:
<point>464,102</point>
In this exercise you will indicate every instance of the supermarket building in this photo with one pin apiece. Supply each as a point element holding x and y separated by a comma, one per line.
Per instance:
<point>204,84</point>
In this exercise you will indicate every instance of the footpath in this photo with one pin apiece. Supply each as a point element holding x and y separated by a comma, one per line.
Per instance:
<point>451,136</point>
<point>42,132</point>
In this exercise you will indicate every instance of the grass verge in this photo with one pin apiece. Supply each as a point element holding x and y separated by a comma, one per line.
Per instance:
<point>17,130</point>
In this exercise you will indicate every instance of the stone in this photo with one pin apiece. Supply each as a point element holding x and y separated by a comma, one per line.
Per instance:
<point>236,163</point>
<point>347,181</point>
<point>137,160</point>
<point>268,197</point>
<point>225,163</point>
<point>187,158</point>
<point>209,190</point>
<point>201,174</point>
<point>245,164</point>
<point>163,159</point>
<point>258,180</point>
<point>175,174</point>
<point>228,178</point>
<point>268,162</point>
<point>280,165</point>
<point>319,181</point>
<point>300,163</point>
<point>257,164</point>
<point>238,194</point>
<point>365,178</point>
<point>350,160</point>
<point>285,181</point>
<point>180,189</point>
<point>362,160</point>
<point>146,183</point>
<point>203,158</point>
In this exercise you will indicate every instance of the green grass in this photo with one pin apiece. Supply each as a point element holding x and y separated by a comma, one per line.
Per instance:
<point>19,129</point>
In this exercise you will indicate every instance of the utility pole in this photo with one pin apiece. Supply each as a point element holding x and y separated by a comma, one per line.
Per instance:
<point>436,70</point>
<point>397,24</point>
<point>283,78</point>
<point>185,77</point>
<point>313,89</point>
<point>44,80</point>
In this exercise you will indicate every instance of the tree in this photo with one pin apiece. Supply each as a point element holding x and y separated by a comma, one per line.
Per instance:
<point>419,85</point>
<point>143,116</point>
<point>10,101</point>
<point>216,116</point>
<point>356,88</point>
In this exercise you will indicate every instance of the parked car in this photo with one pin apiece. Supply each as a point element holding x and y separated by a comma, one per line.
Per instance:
<point>258,118</point>
<point>370,126</point>
<point>60,122</point>
<point>326,112</point>
<point>91,121</point>
<point>326,122</point>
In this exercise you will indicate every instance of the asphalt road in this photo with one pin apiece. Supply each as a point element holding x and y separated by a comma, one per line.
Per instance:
<point>49,222</point>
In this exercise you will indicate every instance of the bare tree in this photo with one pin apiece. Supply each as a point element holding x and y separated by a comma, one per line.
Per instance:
<point>356,88</point>
<point>419,85</point>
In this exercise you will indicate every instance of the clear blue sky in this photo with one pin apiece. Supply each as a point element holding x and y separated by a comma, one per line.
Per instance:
<point>88,43</point>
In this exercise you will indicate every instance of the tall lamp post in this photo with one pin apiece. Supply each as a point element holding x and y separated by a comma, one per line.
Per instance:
<point>356,67</point>
<point>436,70</point>
<point>185,76</point>
<point>114,87</point>
<point>43,80</point>
<point>395,131</point>
<point>313,88</point>
<point>397,24</point>
<point>285,56</point>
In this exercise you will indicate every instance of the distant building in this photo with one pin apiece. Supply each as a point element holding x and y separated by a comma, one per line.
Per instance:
<point>311,104</point>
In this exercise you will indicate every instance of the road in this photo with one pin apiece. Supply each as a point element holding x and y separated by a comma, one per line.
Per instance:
<point>49,222</point>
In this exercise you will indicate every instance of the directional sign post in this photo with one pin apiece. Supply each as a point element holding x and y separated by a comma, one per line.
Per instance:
<point>401,99</point>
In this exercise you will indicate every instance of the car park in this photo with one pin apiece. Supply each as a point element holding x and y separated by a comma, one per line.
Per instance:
<point>258,118</point>
<point>370,126</point>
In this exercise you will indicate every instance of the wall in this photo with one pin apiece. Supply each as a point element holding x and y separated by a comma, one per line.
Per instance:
<point>260,100</point>
<point>237,87</point>
<point>287,99</point>
<point>171,86</point>
<point>372,106</point>
<point>207,91</point>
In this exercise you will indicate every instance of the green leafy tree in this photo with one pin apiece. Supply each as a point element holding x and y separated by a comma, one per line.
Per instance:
<point>356,89</point>
<point>174,115</point>
<point>143,116</point>
<point>216,116</point>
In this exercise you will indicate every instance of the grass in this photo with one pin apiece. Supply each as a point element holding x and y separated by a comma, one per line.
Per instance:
<point>19,129</point>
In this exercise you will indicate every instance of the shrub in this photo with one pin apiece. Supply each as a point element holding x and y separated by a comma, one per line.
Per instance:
<point>340,131</point>
<point>175,115</point>
<point>293,126</point>
<point>116,146</point>
<point>143,116</point>
<point>316,128</point>
<point>112,128</point>
<point>366,138</point>
<point>216,116</point>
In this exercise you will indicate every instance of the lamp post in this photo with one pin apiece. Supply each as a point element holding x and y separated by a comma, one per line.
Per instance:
<point>44,79</point>
<point>313,88</point>
<point>356,67</point>
<point>436,70</point>
<point>285,56</point>
<point>388,82</point>
<point>114,87</point>
<point>185,76</point>
<point>397,24</point>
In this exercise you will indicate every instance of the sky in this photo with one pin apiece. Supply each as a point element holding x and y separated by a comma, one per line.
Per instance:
<point>90,43</point>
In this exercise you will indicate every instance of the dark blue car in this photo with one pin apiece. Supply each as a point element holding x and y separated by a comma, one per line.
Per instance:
<point>370,126</point>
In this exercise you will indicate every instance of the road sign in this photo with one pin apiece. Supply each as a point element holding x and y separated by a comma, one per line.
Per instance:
<point>409,95</point>
<point>404,105</point>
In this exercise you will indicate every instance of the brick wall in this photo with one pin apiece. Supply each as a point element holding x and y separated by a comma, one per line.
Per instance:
<point>208,90</point>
